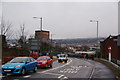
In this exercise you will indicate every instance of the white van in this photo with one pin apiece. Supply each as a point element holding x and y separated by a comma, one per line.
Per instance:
<point>62,57</point>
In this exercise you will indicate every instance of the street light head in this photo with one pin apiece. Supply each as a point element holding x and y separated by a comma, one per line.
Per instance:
<point>37,17</point>
<point>34,17</point>
<point>91,20</point>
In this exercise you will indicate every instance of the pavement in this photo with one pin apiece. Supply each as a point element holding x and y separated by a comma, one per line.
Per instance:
<point>75,68</point>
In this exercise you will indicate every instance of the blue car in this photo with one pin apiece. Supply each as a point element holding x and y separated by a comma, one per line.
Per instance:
<point>20,65</point>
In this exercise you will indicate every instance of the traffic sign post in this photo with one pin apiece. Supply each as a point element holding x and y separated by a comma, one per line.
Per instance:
<point>109,51</point>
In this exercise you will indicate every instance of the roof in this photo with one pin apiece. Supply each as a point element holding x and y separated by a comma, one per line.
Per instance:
<point>22,57</point>
<point>41,31</point>
<point>43,56</point>
<point>110,37</point>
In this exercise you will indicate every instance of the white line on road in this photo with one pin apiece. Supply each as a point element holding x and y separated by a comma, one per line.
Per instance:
<point>60,76</point>
<point>2,76</point>
<point>65,77</point>
<point>93,70</point>
<point>26,76</point>
<point>58,67</point>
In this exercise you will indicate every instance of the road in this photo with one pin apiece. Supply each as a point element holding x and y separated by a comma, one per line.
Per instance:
<point>75,68</point>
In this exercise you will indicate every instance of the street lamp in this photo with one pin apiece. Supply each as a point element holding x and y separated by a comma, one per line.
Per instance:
<point>97,29</point>
<point>52,42</point>
<point>40,18</point>
<point>97,33</point>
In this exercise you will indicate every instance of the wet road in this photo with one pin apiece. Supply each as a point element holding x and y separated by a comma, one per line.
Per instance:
<point>74,69</point>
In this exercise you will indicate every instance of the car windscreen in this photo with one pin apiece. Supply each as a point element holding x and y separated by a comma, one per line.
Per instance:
<point>61,55</point>
<point>42,58</point>
<point>18,60</point>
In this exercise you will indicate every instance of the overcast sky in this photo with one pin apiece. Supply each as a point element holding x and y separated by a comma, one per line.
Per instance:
<point>64,19</point>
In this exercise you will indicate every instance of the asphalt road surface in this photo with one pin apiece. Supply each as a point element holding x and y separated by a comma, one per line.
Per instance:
<point>75,68</point>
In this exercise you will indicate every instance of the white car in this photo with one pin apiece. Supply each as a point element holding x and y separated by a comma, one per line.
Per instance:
<point>62,57</point>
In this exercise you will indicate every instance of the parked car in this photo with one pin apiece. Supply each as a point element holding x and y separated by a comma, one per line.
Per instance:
<point>20,65</point>
<point>62,57</point>
<point>35,55</point>
<point>44,61</point>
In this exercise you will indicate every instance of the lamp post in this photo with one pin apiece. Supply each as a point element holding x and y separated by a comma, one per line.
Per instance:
<point>40,18</point>
<point>52,45</point>
<point>97,29</point>
<point>97,33</point>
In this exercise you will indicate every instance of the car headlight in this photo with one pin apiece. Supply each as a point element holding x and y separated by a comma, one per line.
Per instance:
<point>2,65</point>
<point>18,66</point>
<point>43,62</point>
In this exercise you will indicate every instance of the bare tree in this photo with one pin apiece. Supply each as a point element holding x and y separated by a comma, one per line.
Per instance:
<point>31,36</point>
<point>22,34</point>
<point>6,29</point>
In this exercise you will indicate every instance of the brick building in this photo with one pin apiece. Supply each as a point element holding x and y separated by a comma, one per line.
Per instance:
<point>40,37</point>
<point>115,49</point>
<point>42,34</point>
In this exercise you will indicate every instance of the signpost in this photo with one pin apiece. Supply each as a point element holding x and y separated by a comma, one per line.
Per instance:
<point>109,51</point>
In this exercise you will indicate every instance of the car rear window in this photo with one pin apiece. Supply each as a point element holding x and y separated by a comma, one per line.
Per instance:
<point>42,58</point>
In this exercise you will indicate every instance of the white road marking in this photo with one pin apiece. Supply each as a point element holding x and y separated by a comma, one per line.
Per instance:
<point>26,76</point>
<point>60,76</point>
<point>75,72</point>
<point>2,76</point>
<point>69,71</point>
<point>77,69</point>
<point>80,66</point>
<point>65,77</point>
<point>93,70</point>
<point>65,71</point>
<point>51,73</point>
<point>61,71</point>
<point>72,71</point>
<point>58,67</point>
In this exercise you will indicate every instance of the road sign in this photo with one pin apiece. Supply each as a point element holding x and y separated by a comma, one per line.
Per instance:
<point>109,51</point>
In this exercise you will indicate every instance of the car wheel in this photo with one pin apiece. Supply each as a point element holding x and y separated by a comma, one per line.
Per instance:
<point>66,61</point>
<point>51,65</point>
<point>23,72</point>
<point>59,61</point>
<point>4,74</point>
<point>35,69</point>
<point>47,65</point>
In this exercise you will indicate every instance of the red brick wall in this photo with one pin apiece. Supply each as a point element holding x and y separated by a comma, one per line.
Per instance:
<point>115,49</point>
<point>43,35</point>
